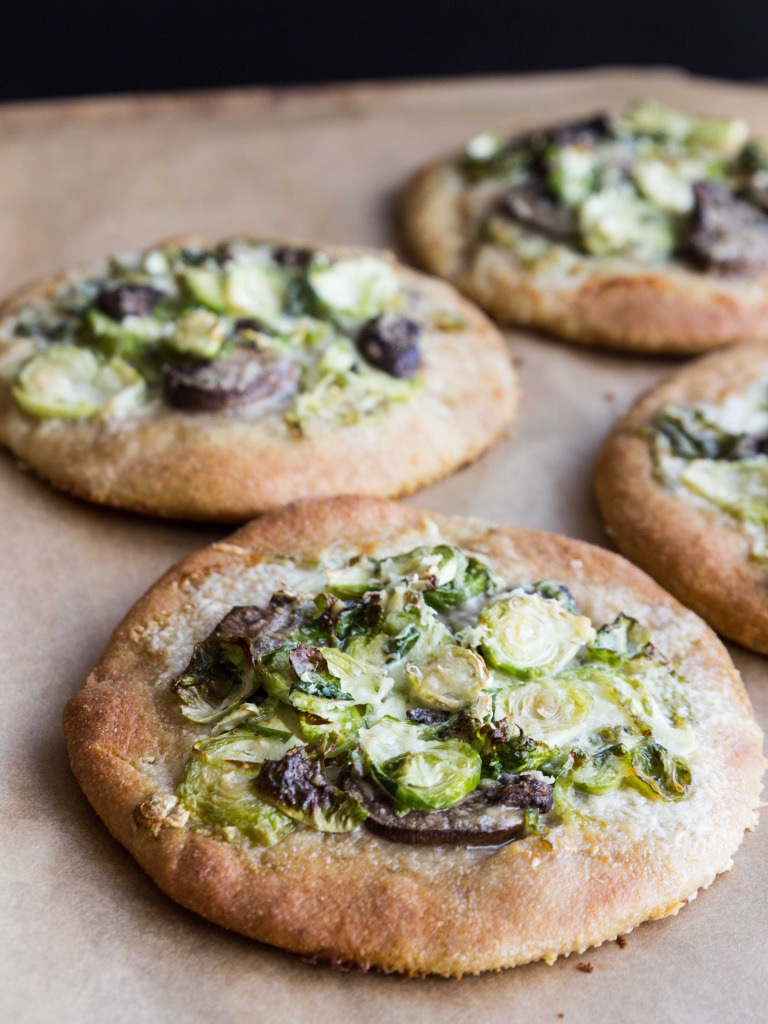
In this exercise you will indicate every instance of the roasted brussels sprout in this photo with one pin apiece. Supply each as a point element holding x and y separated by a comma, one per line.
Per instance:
<point>74,383</point>
<point>416,771</point>
<point>450,682</point>
<point>296,786</point>
<point>527,635</point>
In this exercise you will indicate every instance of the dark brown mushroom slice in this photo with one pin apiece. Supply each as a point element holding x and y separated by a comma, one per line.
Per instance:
<point>522,791</point>
<point>728,235</point>
<point>244,377</point>
<point>390,343</point>
<point>247,324</point>
<point>473,822</point>
<point>292,257</point>
<point>530,205</point>
<point>427,716</point>
<point>266,628</point>
<point>128,300</point>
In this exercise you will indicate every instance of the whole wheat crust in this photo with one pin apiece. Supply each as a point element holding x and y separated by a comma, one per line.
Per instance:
<point>699,554</point>
<point>228,466</point>
<point>669,310</point>
<point>363,900</point>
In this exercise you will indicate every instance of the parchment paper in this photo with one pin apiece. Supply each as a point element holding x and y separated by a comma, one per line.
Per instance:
<point>86,936</point>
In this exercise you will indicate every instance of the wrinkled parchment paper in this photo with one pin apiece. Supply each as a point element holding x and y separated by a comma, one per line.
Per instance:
<point>86,935</point>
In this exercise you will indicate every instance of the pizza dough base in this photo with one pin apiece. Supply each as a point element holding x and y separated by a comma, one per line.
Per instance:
<point>699,554</point>
<point>360,899</point>
<point>228,466</point>
<point>607,303</point>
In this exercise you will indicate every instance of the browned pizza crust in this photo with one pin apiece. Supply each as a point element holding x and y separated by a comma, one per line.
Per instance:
<point>701,556</point>
<point>228,466</point>
<point>614,304</point>
<point>358,898</point>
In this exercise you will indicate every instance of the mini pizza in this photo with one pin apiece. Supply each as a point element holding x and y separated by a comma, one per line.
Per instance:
<point>213,382</point>
<point>646,232</point>
<point>382,737</point>
<point>683,486</point>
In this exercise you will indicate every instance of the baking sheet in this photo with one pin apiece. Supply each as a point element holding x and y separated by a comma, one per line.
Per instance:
<point>86,935</point>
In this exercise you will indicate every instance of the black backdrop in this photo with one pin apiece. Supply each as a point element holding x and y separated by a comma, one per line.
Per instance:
<point>75,47</point>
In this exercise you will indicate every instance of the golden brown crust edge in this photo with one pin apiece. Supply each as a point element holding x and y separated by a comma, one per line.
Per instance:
<point>671,312</point>
<point>166,465</point>
<point>697,554</point>
<point>357,898</point>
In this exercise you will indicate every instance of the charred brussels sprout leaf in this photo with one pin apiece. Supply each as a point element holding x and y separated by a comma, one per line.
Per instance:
<point>556,592</point>
<point>623,639</point>
<point>692,436</point>
<point>296,786</point>
<point>521,753</point>
<point>219,675</point>
<point>621,759</point>
<point>416,771</point>
<point>656,772</point>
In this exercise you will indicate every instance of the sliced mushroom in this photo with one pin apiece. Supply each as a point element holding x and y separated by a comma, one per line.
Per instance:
<point>266,628</point>
<point>245,377</point>
<point>128,300</point>
<point>532,207</point>
<point>390,342</point>
<point>728,234</point>
<point>476,821</point>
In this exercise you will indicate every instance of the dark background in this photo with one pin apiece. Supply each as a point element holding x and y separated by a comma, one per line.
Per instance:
<point>78,47</point>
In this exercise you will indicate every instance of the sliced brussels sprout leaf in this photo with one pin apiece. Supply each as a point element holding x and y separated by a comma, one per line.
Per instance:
<point>656,772</point>
<point>345,620</point>
<point>621,640</point>
<point>662,122</point>
<point>322,720</point>
<point>691,435</point>
<point>352,580</point>
<point>549,710</point>
<point>199,334</point>
<point>129,338</point>
<point>295,784</point>
<point>206,286</point>
<point>416,771</point>
<point>739,488</point>
<point>219,675</point>
<point>572,172</point>
<point>70,382</point>
<point>223,797</point>
<point>617,222</point>
<point>556,592</point>
<point>296,667</point>
<point>521,753</point>
<point>527,634</point>
<point>621,758</point>
<point>354,289</point>
<point>446,575</point>
<point>255,290</point>
<point>246,747</point>
<point>450,682</point>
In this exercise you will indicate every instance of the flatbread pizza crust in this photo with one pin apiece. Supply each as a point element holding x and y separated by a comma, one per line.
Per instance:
<point>607,303</point>
<point>698,554</point>
<point>228,466</point>
<point>358,898</point>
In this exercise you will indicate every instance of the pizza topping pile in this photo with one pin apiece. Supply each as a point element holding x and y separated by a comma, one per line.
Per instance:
<point>649,185</point>
<point>427,700</point>
<point>243,326</point>
<point>717,456</point>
